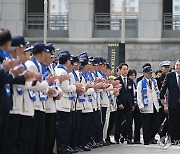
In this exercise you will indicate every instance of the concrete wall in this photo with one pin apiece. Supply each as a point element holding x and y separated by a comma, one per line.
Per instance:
<point>136,53</point>
<point>13,16</point>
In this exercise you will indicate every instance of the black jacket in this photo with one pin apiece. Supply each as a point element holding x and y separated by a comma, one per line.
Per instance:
<point>170,83</point>
<point>126,96</point>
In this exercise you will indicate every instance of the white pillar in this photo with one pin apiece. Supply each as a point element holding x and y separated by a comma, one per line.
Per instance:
<point>45,21</point>
<point>81,16</point>
<point>123,22</point>
<point>150,19</point>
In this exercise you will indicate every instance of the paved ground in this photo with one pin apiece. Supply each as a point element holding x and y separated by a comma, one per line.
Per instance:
<point>134,149</point>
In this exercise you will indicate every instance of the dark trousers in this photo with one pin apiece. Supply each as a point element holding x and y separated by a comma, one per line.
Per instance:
<point>96,129</point>
<point>120,114</point>
<point>162,116</point>
<point>3,129</point>
<point>103,114</point>
<point>85,130</point>
<point>111,125</point>
<point>63,129</point>
<point>50,132</point>
<point>23,135</point>
<point>38,133</point>
<point>150,123</point>
<point>76,124</point>
<point>137,124</point>
<point>12,128</point>
<point>174,123</point>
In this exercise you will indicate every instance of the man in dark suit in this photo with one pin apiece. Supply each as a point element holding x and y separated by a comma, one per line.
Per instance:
<point>172,83</point>
<point>125,102</point>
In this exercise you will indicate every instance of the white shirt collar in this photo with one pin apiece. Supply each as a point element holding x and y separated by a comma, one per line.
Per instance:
<point>177,74</point>
<point>123,77</point>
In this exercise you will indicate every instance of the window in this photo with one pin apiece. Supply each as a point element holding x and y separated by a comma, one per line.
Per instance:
<point>176,8</point>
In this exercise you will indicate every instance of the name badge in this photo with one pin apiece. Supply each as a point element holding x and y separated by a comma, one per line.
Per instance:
<point>129,87</point>
<point>71,96</point>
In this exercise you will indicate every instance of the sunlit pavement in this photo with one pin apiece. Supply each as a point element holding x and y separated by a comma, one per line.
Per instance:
<point>136,149</point>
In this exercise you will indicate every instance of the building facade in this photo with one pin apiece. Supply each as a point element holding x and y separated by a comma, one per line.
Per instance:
<point>152,31</point>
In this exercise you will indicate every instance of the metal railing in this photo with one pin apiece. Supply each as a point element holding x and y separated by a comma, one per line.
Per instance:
<point>35,21</point>
<point>107,21</point>
<point>171,21</point>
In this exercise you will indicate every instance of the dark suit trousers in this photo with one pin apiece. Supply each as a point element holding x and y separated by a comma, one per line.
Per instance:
<point>85,132</point>
<point>37,133</point>
<point>23,135</point>
<point>50,132</point>
<point>174,123</point>
<point>127,113</point>
<point>96,129</point>
<point>3,129</point>
<point>103,113</point>
<point>63,129</point>
<point>76,123</point>
<point>137,124</point>
<point>111,124</point>
<point>162,116</point>
<point>150,122</point>
<point>12,128</point>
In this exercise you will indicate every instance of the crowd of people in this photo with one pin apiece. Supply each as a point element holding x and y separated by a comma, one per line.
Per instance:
<point>75,102</point>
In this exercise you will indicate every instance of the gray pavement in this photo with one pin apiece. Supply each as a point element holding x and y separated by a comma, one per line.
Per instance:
<point>134,149</point>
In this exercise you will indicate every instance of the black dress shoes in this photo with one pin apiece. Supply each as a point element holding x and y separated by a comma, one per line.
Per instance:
<point>122,139</point>
<point>153,141</point>
<point>110,143</point>
<point>86,148</point>
<point>117,141</point>
<point>130,142</point>
<point>137,142</point>
<point>67,151</point>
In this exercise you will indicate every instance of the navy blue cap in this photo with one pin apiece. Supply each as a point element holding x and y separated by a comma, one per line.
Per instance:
<point>50,47</point>
<point>146,64</point>
<point>105,62</point>
<point>95,61</point>
<point>101,60</point>
<point>108,66</point>
<point>147,69</point>
<point>39,47</point>
<point>64,56</point>
<point>82,56</point>
<point>84,62</point>
<point>18,41</point>
<point>75,59</point>
<point>91,59</point>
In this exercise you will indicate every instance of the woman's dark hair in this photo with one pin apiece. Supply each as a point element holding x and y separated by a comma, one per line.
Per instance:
<point>131,72</point>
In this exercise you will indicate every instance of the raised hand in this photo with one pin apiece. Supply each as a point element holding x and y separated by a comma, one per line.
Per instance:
<point>50,79</point>
<point>64,77</point>
<point>51,92</point>
<point>30,75</point>
<point>17,70</point>
<point>9,63</point>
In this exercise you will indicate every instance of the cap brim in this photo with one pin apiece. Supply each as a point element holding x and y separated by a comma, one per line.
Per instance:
<point>28,49</point>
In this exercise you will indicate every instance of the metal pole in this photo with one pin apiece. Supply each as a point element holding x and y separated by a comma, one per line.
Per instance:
<point>123,29</point>
<point>45,21</point>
